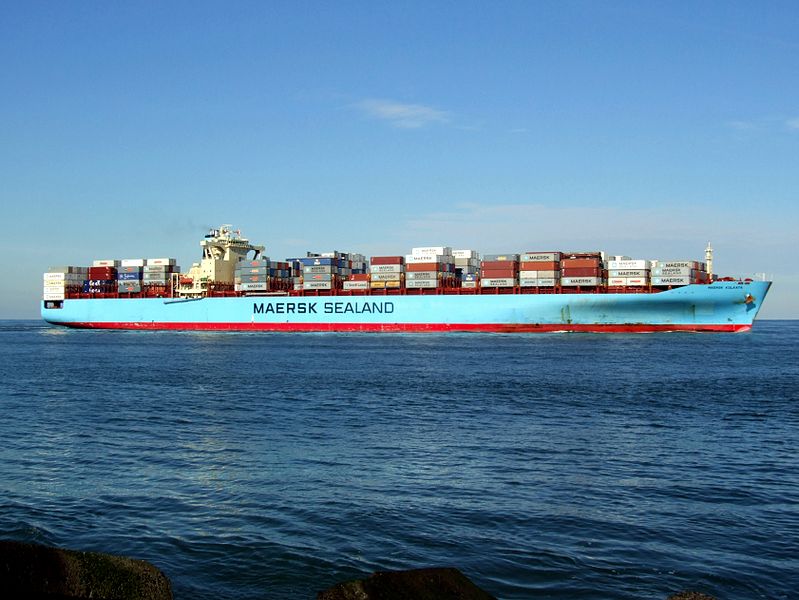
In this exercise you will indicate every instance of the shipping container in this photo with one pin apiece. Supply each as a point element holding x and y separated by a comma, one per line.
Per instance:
<point>356,285</point>
<point>633,265</point>
<point>501,257</point>
<point>165,262</point>
<point>423,275</point>
<point>539,265</point>
<point>129,276</point>
<point>105,263</point>
<point>131,262</point>
<point>581,272</point>
<point>261,286</point>
<point>499,273</point>
<point>580,263</point>
<point>580,281</point>
<point>420,283</point>
<point>397,268</point>
<point>663,281</point>
<point>541,257</point>
<point>498,282</point>
<point>468,254</point>
<point>386,276</point>
<point>432,250</point>
<point>628,273</point>
<point>318,285</point>
<point>387,260</point>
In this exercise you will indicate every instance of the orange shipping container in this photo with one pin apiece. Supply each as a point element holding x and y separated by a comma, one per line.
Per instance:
<point>579,263</point>
<point>498,273</point>
<point>499,264</point>
<point>539,265</point>
<point>415,267</point>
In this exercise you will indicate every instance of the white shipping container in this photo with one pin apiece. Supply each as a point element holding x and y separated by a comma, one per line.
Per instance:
<point>387,268</point>
<point>105,263</point>
<point>419,275</point>
<point>627,281</point>
<point>661,281</point>
<point>53,289</point>
<point>638,265</point>
<point>469,284</point>
<point>672,264</point>
<point>434,250</point>
<point>466,254</point>
<point>575,281</point>
<point>260,286</point>
<point>356,285</point>
<point>548,281</point>
<point>386,276</point>
<point>421,283</point>
<point>158,261</point>
<point>467,262</point>
<point>673,272</point>
<point>58,277</point>
<point>53,296</point>
<point>540,257</point>
<point>498,282</point>
<point>131,262</point>
<point>318,285</point>
<point>426,258</point>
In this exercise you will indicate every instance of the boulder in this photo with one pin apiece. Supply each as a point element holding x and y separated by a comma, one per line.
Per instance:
<point>31,570</point>
<point>420,584</point>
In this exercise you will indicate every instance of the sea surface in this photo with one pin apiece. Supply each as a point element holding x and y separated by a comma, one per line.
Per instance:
<point>543,466</point>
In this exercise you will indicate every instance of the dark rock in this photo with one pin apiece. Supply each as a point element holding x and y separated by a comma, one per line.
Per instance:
<point>417,584</point>
<point>689,595</point>
<point>31,570</point>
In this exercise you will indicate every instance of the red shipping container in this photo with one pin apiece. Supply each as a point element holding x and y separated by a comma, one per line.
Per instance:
<point>581,272</point>
<point>539,265</point>
<point>102,273</point>
<point>388,260</point>
<point>416,267</point>
<point>499,264</point>
<point>579,263</point>
<point>359,277</point>
<point>498,273</point>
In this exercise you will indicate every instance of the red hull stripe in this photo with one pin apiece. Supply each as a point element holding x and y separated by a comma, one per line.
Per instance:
<point>412,327</point>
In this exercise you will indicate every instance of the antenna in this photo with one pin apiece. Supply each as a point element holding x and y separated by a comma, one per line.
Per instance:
<point>709,260</point>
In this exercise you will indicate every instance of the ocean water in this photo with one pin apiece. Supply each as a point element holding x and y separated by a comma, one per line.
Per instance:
<point>543,466</point>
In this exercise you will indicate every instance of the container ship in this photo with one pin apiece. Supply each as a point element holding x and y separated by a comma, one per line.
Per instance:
<point>235,287</point>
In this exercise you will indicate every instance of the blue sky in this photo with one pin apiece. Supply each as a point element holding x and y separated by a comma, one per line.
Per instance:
<point>639,128</point>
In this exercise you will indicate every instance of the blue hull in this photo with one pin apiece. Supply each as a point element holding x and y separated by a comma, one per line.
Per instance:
<point>721,306</point>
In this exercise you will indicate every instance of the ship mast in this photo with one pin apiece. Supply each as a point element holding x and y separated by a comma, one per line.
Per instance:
<point>709,260</point>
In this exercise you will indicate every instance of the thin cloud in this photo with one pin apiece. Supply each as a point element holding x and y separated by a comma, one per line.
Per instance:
<point>793,124</point>
<point>404,116</point>
<point>742,125</point>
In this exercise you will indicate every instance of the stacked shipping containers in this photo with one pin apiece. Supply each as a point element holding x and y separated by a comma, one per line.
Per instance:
<point>59,281</point>
<point>430,267</point>
<point>387,272</point>
<point>678,272</point>
<point>261,275</point>
<point>539,269</point>
<point>467,267</point>
<point>157,272</point>
<point>102,277</point>
<point>129,275</point>
<point>499,270</point>
<point>581,269</point>
<point>251,275</point>
<point>624,271</point>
